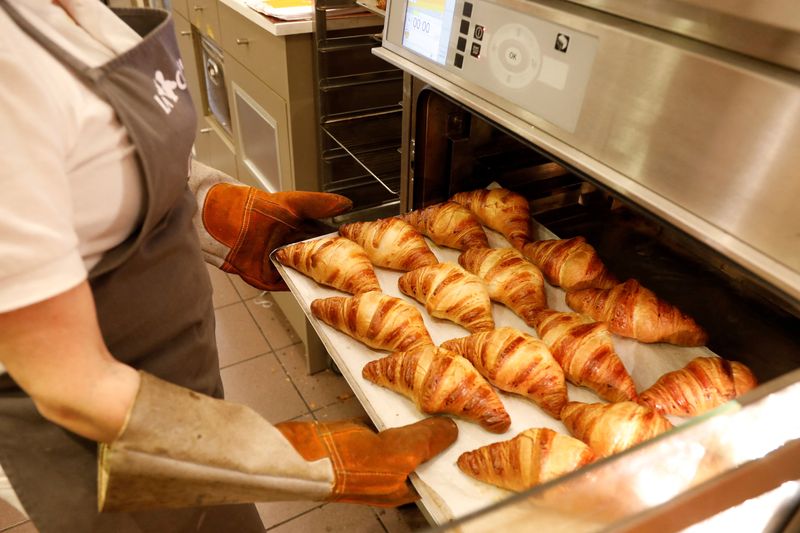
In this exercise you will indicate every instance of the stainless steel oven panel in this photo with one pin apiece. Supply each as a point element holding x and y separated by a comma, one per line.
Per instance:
<point>214,82</point>
<point>706,139</point>
<point>767,29</point>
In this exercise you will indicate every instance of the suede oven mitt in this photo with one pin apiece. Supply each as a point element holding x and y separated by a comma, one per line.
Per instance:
<point>239,226</point>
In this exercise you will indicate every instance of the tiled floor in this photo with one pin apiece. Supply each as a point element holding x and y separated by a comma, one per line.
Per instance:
<point>263,367</point>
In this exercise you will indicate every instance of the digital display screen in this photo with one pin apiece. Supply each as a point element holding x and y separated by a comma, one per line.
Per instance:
<point>427,27</point>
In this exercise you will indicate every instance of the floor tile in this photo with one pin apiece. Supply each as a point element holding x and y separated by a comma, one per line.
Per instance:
<point>261,383</point>
<point>318,390</point>
<point>402,519</point>
<point>238,337</point>
<point>273,324</point>
<point>334,518</point>
<point>348,408</point>
<point>9,516</point>
<point>245,290</point>
<point>224,292</point>
<point>274,513</point>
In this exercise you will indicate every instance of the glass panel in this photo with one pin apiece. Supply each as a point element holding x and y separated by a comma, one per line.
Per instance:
<point>258,135</point>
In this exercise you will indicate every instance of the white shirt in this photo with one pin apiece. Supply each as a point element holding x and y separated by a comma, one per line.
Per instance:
<point>69,182</point>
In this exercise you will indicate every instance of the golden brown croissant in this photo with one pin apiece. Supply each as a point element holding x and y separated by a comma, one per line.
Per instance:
<point>448,291</point>
<point>703,384</point>
<point>501,210</point>
<point>376,319</point>
<point>390,243</point>
<point>532,457</point>
<point>609,428</point>
<point>511,279</point>
<point>333,261</point>
<point>634,311</point>
<point>449,224</point>
<point>515,362</point>
<point>584,350</point>
<point>439,381</point>
<point>569,263</point>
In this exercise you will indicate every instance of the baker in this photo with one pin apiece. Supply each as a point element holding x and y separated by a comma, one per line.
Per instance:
<point>106,320</point>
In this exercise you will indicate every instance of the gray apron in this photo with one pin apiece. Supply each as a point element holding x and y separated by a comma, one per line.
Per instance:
<point>152,293</point>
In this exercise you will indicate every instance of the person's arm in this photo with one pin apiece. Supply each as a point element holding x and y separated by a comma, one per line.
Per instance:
<point>55,352</point>
<point>168,446</point>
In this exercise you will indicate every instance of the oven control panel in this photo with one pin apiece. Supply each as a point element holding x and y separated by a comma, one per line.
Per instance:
<point>536,64</point>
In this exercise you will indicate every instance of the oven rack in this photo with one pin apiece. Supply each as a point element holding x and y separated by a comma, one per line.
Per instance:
<point>359,110</point>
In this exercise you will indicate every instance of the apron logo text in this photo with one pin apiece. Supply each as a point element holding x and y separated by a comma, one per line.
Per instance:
<point>165,96</point>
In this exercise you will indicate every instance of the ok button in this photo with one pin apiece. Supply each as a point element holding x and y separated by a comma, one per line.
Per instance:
<point>513,56</point>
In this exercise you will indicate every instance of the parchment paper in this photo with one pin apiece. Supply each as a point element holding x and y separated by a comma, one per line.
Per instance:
<point>446,492</point>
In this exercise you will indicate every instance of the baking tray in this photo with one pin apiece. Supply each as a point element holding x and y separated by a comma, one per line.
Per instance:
<point>446,493</point>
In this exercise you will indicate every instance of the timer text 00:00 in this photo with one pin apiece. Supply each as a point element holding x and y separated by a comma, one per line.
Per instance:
<point>421,25</point>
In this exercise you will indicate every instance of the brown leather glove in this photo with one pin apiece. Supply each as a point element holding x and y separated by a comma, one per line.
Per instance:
<point>182,449</point>
<point>371,468</point>
<point>239,225</point>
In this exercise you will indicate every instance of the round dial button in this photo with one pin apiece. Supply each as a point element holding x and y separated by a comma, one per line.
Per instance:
<point>514,55</point>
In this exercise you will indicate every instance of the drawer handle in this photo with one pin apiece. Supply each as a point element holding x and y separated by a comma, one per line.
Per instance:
<point>186,32</point>
<point>205,130</point>
<point>242,40</point>
<point>198,8</point>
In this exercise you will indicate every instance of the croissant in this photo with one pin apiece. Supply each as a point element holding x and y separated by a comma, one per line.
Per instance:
<point>705,383</point>
<point>634,311</point>
<point>390,243</point>
<point>333,261</point>
<point>439,381</point>
<point>449,224</point>
<point>609,428</point>
<point>569,263</point>
<point>584,350</point>
<point>532,457</point>
<point>448,291</point>
<point>511,279</point>
<point>376,319</point>
<point>515,362</point>
<point>501,210</point>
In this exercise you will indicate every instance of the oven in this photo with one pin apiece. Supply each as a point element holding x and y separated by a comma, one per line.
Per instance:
<point>215,92</point>
<point>668,135</point>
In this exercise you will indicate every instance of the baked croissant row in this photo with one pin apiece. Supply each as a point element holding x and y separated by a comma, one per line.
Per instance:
<point>390,243</point>
<point>334,261</point>
<point>584,350</point>
<point>510,279</point>
<point>634,311</point>
<point>501,210</point>
<point>569,263</point>
<point>378,320</point>
<point>440,382</point>
<point>515,362</point>
<point>703,384</point>
<point>449,224</point>
<point>448,291</point>
<point>532,457</point>
<point>609,428</point>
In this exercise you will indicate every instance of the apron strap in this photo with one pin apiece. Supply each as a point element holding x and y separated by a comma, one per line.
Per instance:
<point>76,65</point>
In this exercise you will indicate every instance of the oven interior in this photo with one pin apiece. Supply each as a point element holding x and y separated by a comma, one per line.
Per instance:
<point>457,150</point>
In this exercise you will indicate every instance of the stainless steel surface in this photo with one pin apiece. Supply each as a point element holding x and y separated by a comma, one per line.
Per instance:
<point>215,89</point>
<point>703,138</point>
<point>767,29</point>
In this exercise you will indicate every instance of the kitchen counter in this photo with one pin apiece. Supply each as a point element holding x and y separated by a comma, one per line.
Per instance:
<point>275,26</point>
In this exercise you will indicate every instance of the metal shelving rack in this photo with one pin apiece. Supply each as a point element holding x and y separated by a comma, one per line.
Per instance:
<point>359,105</point>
